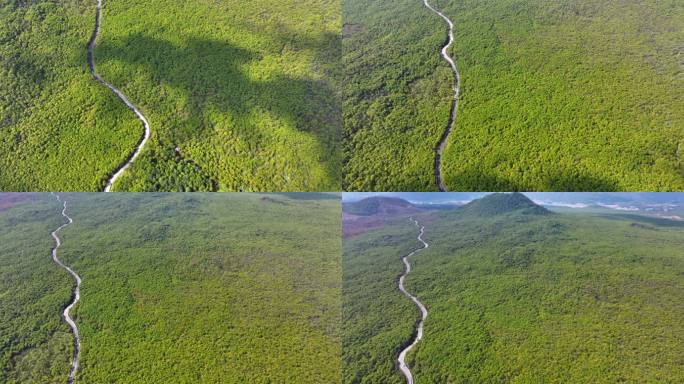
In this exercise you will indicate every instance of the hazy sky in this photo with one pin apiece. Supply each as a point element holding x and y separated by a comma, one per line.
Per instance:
<point>549,197</point>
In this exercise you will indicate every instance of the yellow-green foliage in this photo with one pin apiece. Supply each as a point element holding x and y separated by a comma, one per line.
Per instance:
<point>35,343</point>
<point>568,95</point>
<point>59,130</point>
<point>246,91</point>
<point>519,297</point>
<point>201,288</point>
<point>239,96</point>
<point>396,95</point>
<point>377,319</point>
<point>555,95</point>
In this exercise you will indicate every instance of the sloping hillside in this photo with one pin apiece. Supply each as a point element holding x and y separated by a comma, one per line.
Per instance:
<point>501,204</point>
<point>380,206</point>
<point>516,294</point>
<point>182,288</point>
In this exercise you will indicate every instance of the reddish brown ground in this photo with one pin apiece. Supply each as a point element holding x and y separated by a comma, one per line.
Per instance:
<point>353,225</point>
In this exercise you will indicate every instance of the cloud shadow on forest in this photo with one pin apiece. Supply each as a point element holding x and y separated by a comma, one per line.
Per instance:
<point>211,75</point>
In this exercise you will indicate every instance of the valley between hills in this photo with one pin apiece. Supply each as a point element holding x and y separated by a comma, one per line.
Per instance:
<point>409,288</point>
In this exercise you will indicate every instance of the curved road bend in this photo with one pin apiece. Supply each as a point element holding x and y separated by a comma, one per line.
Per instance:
<point>77,293</point>
<point>91,63</point>
<point>439,149</point>
<point>423,311</point>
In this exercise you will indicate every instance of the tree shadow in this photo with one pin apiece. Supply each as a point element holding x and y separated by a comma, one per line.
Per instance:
<point>217,76</point>
<point>477,179</point>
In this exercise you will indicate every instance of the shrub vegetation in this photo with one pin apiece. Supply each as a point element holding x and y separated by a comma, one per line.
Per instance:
<point>574,95</point>
<point>36,345</point>
<point>59,130</point>
<point>519,297</point>
<point>207,288</point>
<point>239,97</point>
<point>396,95</point>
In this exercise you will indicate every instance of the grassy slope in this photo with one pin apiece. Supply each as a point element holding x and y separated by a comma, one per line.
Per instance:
<point>396,95</point>
<point>579,95</point>
<point>59,130</point>
<point>205,288</point>
<point>246,92</point>
<point>559,298</point>
<point>35,344</point>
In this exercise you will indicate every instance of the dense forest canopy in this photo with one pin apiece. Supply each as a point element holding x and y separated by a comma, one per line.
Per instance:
<point>518,295</point>
<point>239,98</point>
<point>176,288</point>
<point>555,96</point>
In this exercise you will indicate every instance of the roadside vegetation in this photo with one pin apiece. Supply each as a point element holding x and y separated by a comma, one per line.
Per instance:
<point>240,98</point>
<point>578,95</point>
<point>36,345</point>
<point>396,95</point>
<point>521,295</point>
<point>243,95</point>
<point>59,130</point>
<point>377,319</point>
<point>193,289</point>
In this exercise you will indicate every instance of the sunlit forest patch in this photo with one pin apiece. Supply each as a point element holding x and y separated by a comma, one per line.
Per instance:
<point>555,96</point>
<point>240,98</point>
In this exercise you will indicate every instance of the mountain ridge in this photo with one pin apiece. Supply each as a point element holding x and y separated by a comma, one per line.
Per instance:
<point>498,204</point>
<point>380,205</point>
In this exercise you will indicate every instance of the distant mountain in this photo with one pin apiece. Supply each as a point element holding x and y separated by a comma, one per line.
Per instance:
<point>380,205</point>
<point>9,200</point>
<point>609,197</point>
<point>310,195</point>
<point>502,203</point>
<point>438,207</point>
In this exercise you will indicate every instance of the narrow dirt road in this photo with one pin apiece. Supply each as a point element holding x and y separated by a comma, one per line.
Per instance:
<point>77,293</point>
<point>146,134</point>
<point>423,311</point>
<point>439,149</point>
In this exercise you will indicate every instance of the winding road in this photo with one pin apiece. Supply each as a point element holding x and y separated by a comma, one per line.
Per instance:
<point>91,63</point>
<point>439,149</point>
<point>423,311</point>
<point>77,293</point>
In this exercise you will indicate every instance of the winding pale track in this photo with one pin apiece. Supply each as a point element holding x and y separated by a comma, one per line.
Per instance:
<point>77,293</point>
<point>423,311</point>
<point>439,149</point>
<point>146,134</point>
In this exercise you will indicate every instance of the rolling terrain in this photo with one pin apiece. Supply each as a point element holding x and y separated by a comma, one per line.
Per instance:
<point>378,320</point>
<point>360,216</point>
<point>76,296</point>
<point>517,293</point>
<point>232,98</point>
<point>59,129</point>
<point>403,367</point>
<point>182,288</point>
<point>578,96</point>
